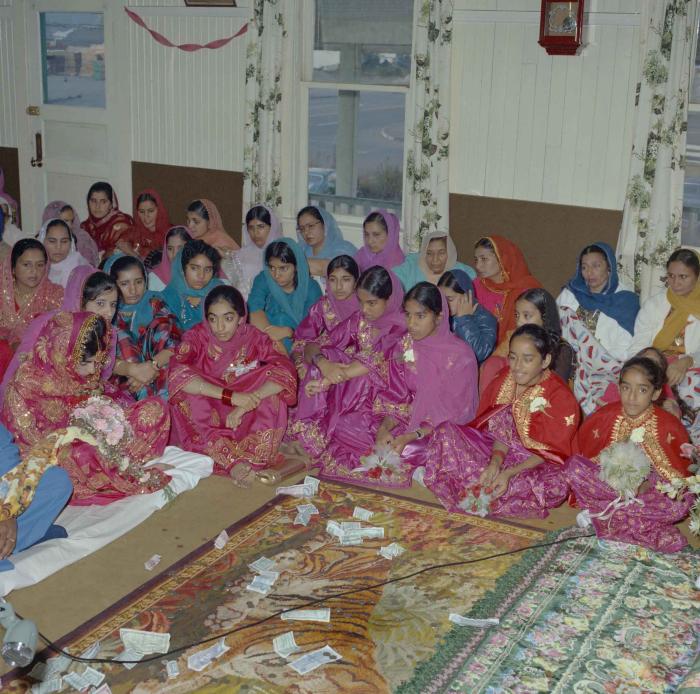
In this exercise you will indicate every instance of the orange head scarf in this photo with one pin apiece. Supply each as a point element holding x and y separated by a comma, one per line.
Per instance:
<point>216,234</point>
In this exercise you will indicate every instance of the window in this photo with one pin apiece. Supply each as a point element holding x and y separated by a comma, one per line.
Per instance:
<point>73,58</point>
<point>690,230</point>
<point>357,79</point>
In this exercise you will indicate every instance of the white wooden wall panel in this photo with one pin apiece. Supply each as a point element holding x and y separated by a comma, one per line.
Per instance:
<point>8,117</point>
<point>188,109</point>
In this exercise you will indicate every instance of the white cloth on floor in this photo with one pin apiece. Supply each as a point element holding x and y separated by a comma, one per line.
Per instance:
<point>92,527</point>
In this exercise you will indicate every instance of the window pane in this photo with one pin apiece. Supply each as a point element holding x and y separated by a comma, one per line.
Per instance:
<point>690,228</point>
<point>363,41</point>
<point>356,150</point>
<point>695,80</point>
<point>73,58</point>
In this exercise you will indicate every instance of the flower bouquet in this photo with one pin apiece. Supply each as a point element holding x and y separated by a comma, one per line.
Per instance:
<point>384,464</point>
<point>624,466</point>
<point>681,485</point>
<point>476,500</point>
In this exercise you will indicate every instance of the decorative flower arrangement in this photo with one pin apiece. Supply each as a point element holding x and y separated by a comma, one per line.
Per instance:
<point>476,500</point>
<point>383,464</point>
<point>637,435</point>
<point>624,466</point>
<point>539,404</point>
<point>681,485</point>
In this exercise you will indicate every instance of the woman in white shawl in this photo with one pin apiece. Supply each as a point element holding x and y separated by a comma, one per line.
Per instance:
<point>61,249</point>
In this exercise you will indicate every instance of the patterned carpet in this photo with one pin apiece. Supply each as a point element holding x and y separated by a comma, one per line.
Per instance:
<point>382,634</point>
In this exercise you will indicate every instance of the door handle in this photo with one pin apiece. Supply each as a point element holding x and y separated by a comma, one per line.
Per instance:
<point>38,160</point>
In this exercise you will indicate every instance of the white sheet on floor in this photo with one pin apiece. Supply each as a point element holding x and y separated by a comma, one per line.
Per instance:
<point>92,527</point>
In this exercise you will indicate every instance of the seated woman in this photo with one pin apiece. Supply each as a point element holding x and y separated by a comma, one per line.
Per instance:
<point>159,277</point>
<point>339,302</point>
<point>61,249</point>
<point>670,321</point>
<point>503,275</point>
<point>25,289</point>
<point>536,306</point>
<point>147,332</point>
<point>84,243</point>
<point>334,421</point>
<point>204,224</point>
<point>597,318</point>
<point>469,320</point>
<point>659,435</point>
<point>32,495</point>
<point>11,233</point>
<point>432,380</point>
<point>151,222</point>
<point>283,293</point>
<point>106,223</point>
<point>194,275</point>
<point>320,239</point>
<point>516,447</point>
<point>230,388</point>
<point>437,255</point>
<point>382,234</point>
<point>261,227</point>
<point>60,373</point>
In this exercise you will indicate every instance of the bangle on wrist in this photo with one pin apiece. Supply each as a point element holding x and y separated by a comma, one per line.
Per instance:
<point>155,365</point>
<point>226,395</point>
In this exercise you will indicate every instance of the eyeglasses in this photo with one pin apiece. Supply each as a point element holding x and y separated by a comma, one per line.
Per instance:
<point>307,227</point>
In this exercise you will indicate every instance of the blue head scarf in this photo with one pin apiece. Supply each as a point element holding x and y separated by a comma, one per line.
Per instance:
<point>138,315</point>
<point>292,304</point>
<point>621,306</point>
<point>333,245</point>
<point>463,280</point>
<point>177,293</point>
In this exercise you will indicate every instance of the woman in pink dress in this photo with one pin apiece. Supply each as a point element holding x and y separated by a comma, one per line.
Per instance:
<point>230,388</point>
<point>60,373</point>
<point>660,436</point>
<point>381,233</point>
<point>334,420</point>
<point>338,303</point>
<point>516,447</point>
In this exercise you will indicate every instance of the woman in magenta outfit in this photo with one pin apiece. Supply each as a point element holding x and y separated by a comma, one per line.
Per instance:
<point>518,443</point>
<point>339,302</point>
<point>334,421</point>
<point>230,388</point>
<point>381,233</point>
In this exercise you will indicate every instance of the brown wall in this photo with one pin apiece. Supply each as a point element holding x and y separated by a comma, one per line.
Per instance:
<point>9,163</point>
<point>550,236</point>
<point>180,185</point>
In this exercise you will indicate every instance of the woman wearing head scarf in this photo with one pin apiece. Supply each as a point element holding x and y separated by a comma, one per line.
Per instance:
<point>151,223</point>
<point>84,243</point>
<point>11,232</point>
<point>230,388</point>
<point>597,318</point>
<point>175,239</point>
<point>261,228</point>
<point>106,223</point>
<point>283,293</point>
<point>381,233</point>
<point>437,255</point>
<point>60,246</point>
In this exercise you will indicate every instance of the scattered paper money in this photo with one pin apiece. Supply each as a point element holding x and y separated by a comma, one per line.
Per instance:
<point>469,622</point>
<point>93,677</point>
<point>350,525</point>
<point>362,513</point>
<point>145,642</point>
<point>152,562</point>
<point>262,564</point>
<point>57,665</point>
<point>300,490</point>
<point>307,509</point>
<point>78,682</point>
<point>221,540</point>
<point>199,660</point>
<point>313,660</point>
<point>104,689</point>
<point>285,645</point>
<point>128,655</point>
<point>172,668</point>
<point>333,528</point>
<point>301,519</point>
<point>91,651</point>
<point>322,615</point>
<point>313,481</point>
<point>391,551</point>
<point>53,684</point>
<point>260,585</point>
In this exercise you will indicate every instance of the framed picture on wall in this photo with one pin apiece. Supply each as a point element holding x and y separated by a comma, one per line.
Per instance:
<point>210,3</point>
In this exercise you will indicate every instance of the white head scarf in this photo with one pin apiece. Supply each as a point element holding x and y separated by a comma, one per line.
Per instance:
<point>59,272</point>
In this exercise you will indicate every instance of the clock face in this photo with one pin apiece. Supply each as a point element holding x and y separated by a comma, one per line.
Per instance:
<point>561,18</point>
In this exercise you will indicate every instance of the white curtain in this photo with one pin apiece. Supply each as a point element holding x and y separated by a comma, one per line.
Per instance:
<point>263,127</point>
<point>651,224</point>
<point>426,196</point>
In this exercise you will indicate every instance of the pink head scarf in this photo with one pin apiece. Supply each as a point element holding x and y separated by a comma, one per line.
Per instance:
<point>391,255</point>
<point>83,241</point>
<point>343,309</point>
<point>447,377</point>
<point>216,234</point>
<point>393,313</point>
<point>164,269</point>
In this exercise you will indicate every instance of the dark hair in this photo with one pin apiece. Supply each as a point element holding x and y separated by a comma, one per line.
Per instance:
<point>59,223</point>
<point>197,206</point>
<point>230,295</point>
<point>595,249</point>
<point>540,339</point>
<point>687,257</point>
<point>146,197</point>
<point>655,374</point>
<point>180,231</point>
<point>313,211</point>
<point>95,340</point>
<point>427,295</point>
<point>545,303</point>
<point>377,217</point>
<point>126,262</point>
<point>484,242</point>
<point>101,187</point>
<point>24,245</point>
<point>97,283</point>
<point>197,247</point>
<point>65,208</point>
<point>663,362</point>
<point>260,213</point>
<point>448,280</point>
<point>281,251</point>
<point>377,281</point>
<point>344,262</point>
